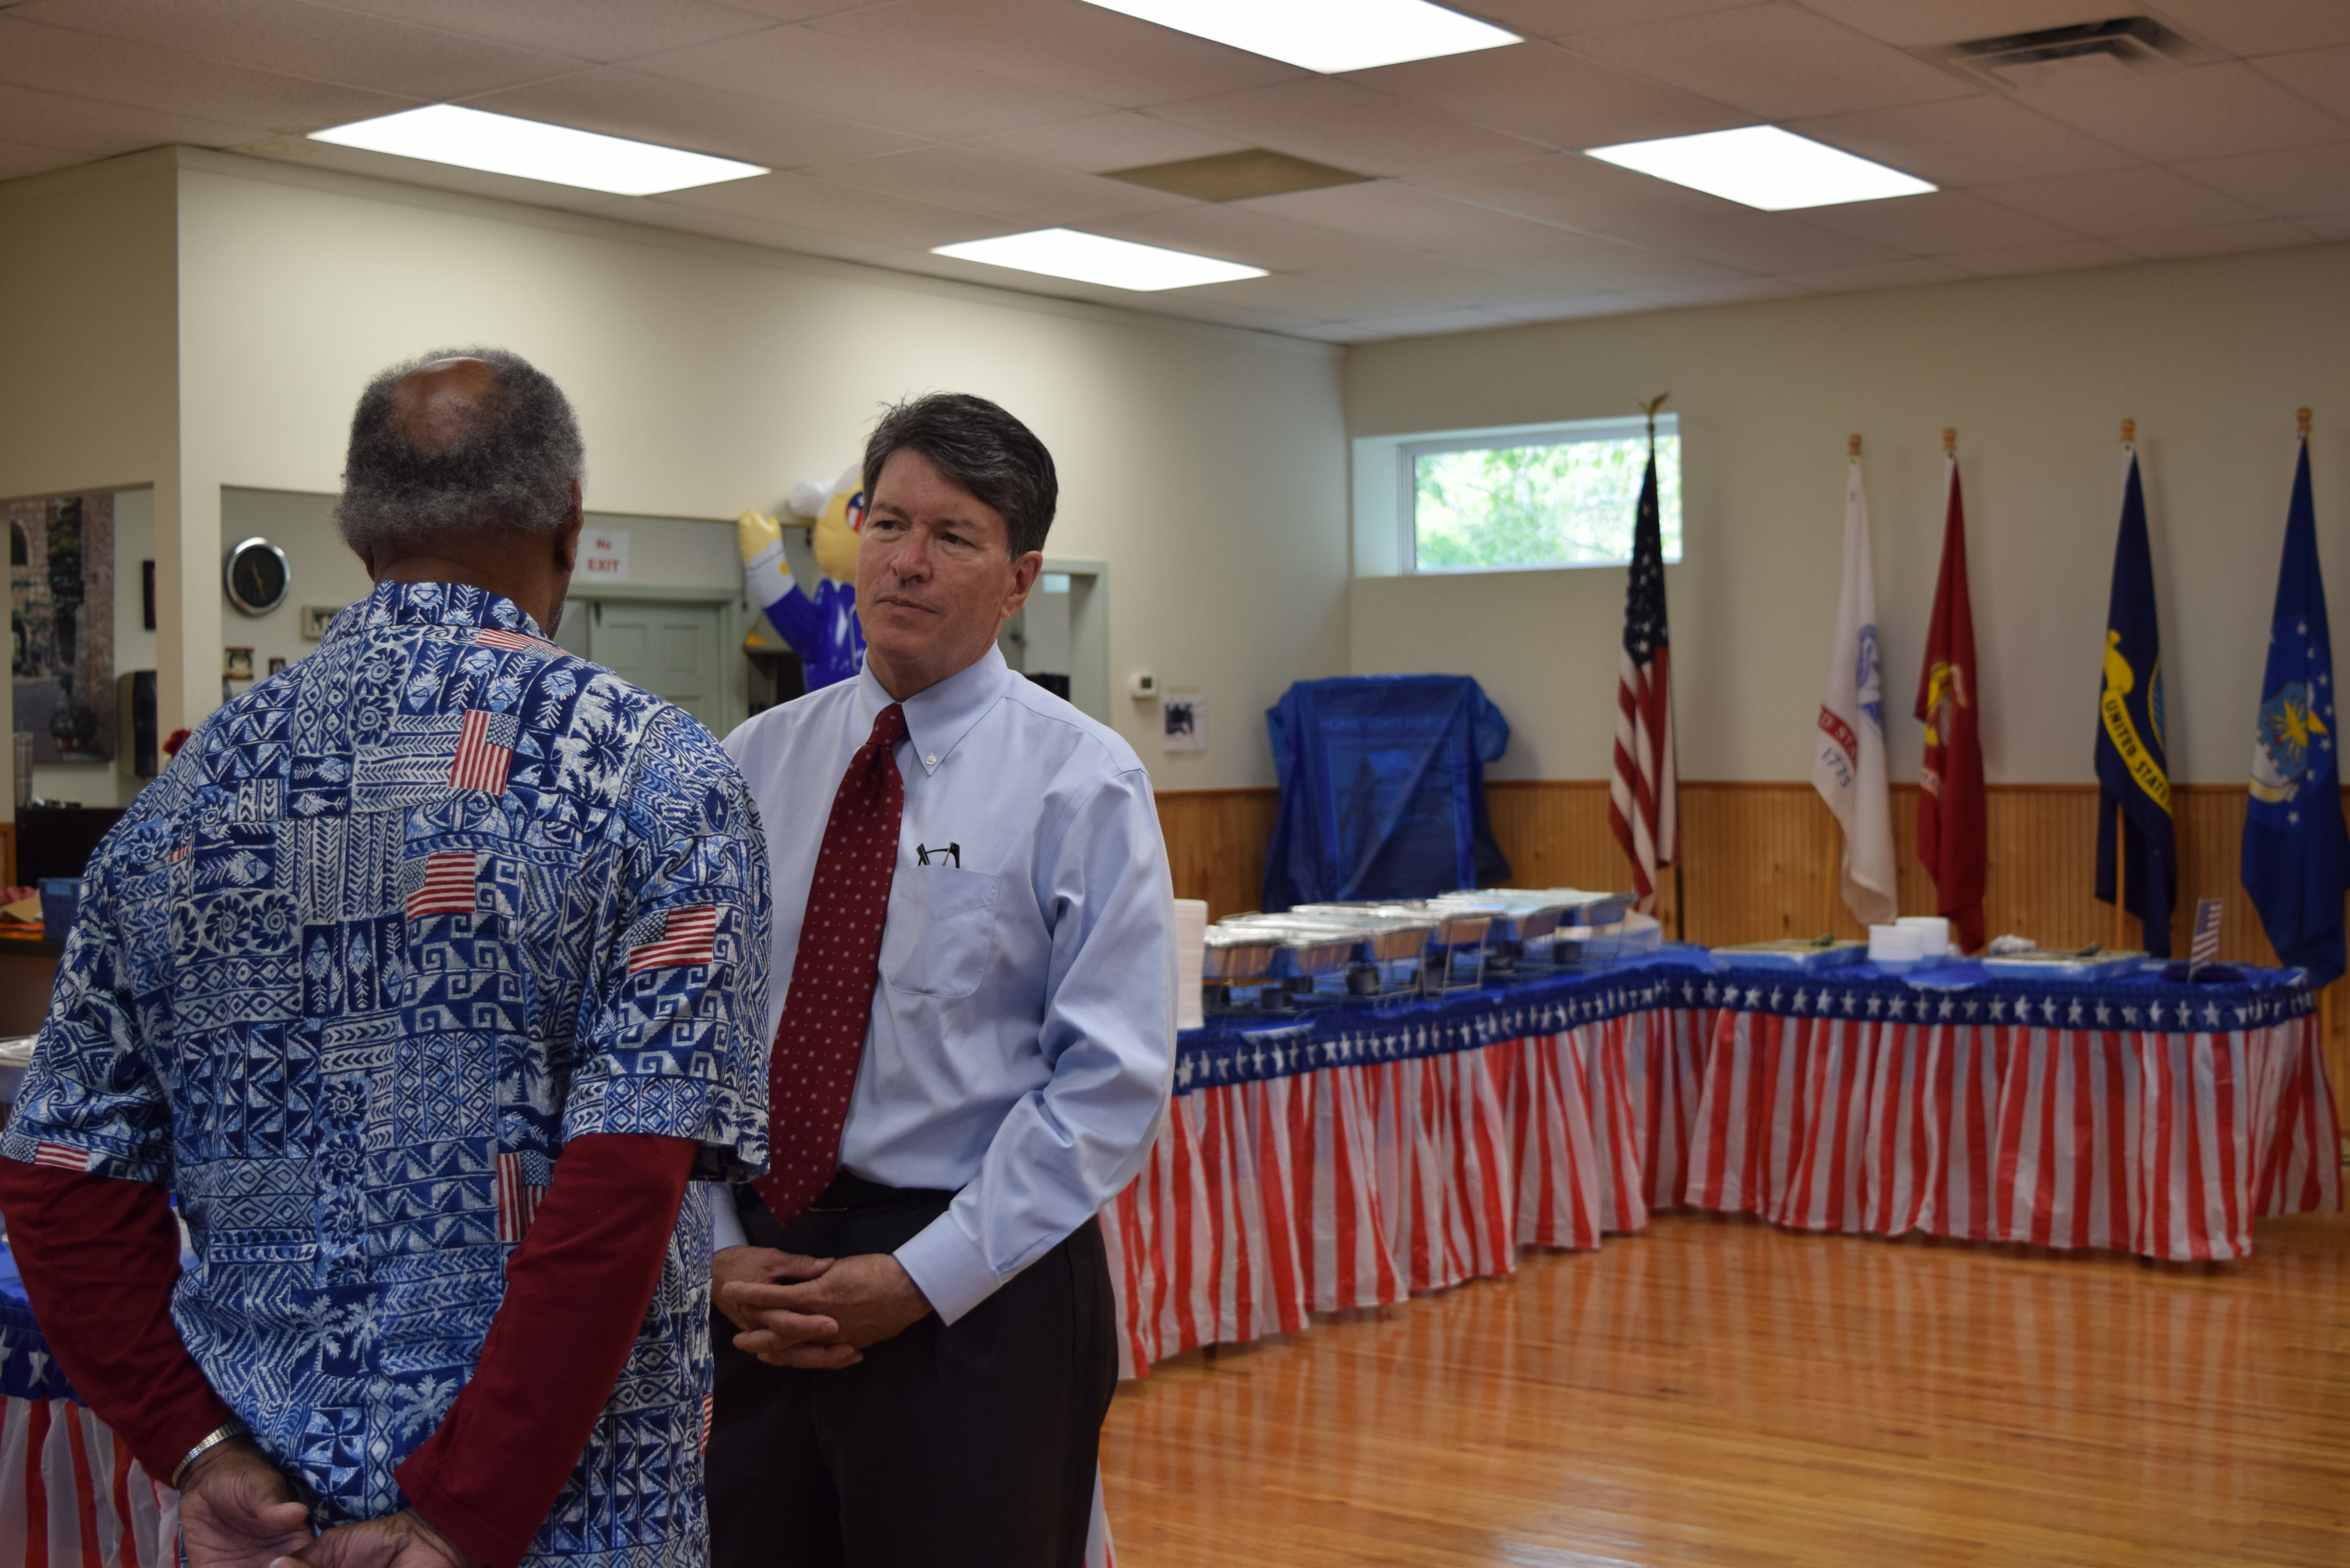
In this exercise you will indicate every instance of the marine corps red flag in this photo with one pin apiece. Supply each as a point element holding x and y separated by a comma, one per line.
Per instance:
<point>1950,807</point>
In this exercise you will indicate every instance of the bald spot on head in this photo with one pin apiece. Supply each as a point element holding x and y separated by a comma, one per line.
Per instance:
<point>437,405</point>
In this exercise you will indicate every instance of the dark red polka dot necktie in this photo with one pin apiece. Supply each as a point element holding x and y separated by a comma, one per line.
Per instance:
<point>831,997</point>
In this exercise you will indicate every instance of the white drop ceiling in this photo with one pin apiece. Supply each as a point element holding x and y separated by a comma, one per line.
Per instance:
<point>897,126</point>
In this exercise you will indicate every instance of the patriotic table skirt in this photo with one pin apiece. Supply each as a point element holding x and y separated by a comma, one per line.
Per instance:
<point>1351,1160</point>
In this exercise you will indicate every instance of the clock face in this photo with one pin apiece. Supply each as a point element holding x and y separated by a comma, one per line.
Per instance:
<point>257,578</point>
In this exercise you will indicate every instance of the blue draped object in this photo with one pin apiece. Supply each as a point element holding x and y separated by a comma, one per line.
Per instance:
<point>1382,788</point>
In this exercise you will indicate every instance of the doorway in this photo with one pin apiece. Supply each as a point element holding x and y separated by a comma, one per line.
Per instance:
<point>678,649</point>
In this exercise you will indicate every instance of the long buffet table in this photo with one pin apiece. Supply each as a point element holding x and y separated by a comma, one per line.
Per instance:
<point>1353,1155</point>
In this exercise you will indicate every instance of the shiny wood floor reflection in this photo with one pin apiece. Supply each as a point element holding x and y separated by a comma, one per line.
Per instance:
<point>1718,1392</point>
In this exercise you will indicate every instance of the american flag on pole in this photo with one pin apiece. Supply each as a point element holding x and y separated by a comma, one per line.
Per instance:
<point>2206,946</point>
<point>1641,796</point>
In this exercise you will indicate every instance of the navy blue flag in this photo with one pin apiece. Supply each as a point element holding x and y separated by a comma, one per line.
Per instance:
<point>2133,768</point>
<point>2296,849</point>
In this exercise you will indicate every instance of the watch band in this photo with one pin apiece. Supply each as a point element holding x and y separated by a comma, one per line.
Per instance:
<point>231,1427</point>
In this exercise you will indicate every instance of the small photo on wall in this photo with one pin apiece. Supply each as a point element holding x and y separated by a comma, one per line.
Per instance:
<point>1183,722</point>
<point>238,665</point>
<point>276,666</point>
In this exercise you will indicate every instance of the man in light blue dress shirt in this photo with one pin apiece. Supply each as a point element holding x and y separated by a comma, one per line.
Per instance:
<point>1014,1073</point>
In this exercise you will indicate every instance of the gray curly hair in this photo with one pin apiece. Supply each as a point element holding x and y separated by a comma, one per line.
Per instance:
<point>513,467</point>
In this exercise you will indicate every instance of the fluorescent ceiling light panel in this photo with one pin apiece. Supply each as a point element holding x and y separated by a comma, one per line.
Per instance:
<point>1096,258</point>
<point>1764,166</point>
<point>532,149</point>
<point>1325,35</point>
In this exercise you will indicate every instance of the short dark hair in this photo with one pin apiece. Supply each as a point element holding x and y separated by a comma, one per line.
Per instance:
<point>514,467</point>
<point>980,447</point>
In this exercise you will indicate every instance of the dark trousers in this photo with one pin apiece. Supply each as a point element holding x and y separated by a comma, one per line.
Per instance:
<point>972,1444</point>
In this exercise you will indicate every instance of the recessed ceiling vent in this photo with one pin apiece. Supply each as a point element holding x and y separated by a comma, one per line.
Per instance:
<point>2078,55</point>
<point>1236,176</point>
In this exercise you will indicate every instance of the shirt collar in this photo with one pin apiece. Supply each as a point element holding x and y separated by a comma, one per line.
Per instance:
<point>937,717</point>
<point>435,604</point>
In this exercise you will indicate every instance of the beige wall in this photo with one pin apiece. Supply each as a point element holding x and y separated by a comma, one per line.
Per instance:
<point>1205,465</point>
<point>2210,356</point>
<point>86,319</point>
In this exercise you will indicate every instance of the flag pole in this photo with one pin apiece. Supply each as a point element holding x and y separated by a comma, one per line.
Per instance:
<point>1832,881</point>
<point>2121,809</point>
<point>1681,907</point>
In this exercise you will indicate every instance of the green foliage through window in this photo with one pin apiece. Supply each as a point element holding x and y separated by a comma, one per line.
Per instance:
<point>1563,503</point>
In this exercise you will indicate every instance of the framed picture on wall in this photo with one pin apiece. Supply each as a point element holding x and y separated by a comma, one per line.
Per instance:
<point>61,625</point>
<point>238,665</point>
<point>276,666</point>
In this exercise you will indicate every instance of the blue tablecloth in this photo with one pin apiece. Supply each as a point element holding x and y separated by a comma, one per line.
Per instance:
<point>1241,1048</point>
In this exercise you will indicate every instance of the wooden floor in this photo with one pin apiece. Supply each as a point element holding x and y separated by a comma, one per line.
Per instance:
<point>1716,1391</point>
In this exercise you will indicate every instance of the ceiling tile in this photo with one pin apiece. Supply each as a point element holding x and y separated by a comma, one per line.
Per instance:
<point>2329,225</point>
<point>116,70</point>
<point>1907,24</point>
<point>621,102</point>
<point>841,209</point>
<point>1733,292</point>
<point>2205,112</point>
<point>1415,284</point>
<point>2267,235</point>
<point>1314,297</point>
<point>2263,26</point>
<point>1347,126</point>
<point>2321,76</point>
<point>1775,242</point>
<point>37,118</point>
<point>16,160</point>
<point>1235,232</point>
<point>1585,264</point>
<point>1543,93</point>
<point>1945,220</point>
<point>1558,18</point>
<point>600,30</point>
<point>1115,59</point>
<point>1575,309</point>
<point>1104,141</point>
<point>2304,179</point>
<point>1412,326</point>
<point>1577,192</point>
<point>306,40</point>
<point>1403,215</point>
<point>2063,258</point>
<point>1777,61</point>
<point>1878,275</point>
<point>827,75</point>
<point>1965,140</point>
<point>2127,200</point>
<point>793,237</point>
<point>1034,194</point>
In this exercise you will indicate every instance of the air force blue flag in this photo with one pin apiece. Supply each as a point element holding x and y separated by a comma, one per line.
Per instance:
<point>2296,850</point>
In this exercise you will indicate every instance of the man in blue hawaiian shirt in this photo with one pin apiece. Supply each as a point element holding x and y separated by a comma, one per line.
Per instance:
<point>429,978</point>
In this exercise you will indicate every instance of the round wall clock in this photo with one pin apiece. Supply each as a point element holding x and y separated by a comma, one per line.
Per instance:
<point>256,575</point>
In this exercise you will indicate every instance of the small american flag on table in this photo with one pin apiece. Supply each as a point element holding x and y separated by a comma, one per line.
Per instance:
<point>2205,946</point>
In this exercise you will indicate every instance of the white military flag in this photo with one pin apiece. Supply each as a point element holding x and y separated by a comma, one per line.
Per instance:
<point>1848,749</point>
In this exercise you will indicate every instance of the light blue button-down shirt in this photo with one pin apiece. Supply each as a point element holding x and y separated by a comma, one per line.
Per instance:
<point>1023,1036</point>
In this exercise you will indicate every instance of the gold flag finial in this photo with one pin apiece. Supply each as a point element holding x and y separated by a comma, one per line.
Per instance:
<point>1949,439</point>
<point>1650,408</point>
<point>2300,419</point>
<point>1852,447</point>
<point>2129,431</point>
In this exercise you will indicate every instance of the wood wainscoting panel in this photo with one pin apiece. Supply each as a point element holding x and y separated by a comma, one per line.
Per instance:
<point>1216,840</point>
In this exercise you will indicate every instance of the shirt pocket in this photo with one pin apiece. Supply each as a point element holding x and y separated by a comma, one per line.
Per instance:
<point>941,932</point>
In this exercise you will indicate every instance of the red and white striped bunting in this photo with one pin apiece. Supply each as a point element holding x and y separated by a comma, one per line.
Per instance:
<point>689,935</point>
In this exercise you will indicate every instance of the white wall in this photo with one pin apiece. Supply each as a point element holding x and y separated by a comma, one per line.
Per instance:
<point>1205,465</point>
<point>86,322</point>
<point>2210,356</point>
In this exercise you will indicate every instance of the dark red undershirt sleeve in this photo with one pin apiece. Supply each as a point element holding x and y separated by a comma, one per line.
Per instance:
<point>100,1256</point>
<point>577,1290</point>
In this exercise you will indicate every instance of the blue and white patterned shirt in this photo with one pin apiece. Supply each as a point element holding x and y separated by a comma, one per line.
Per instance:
<point>394,926</point>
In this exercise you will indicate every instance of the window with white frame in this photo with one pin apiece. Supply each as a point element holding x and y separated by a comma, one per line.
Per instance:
<point>1532,496</point>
